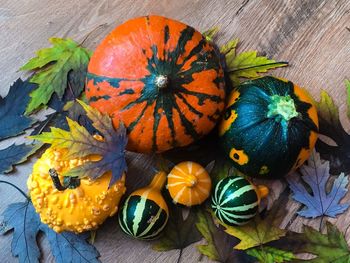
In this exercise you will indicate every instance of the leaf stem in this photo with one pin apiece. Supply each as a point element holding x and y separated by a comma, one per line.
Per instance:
<point>47,122</point>
<point>180,255</point>
<point>282,64</point>
<point>321,223</point>
<point>17,188</point>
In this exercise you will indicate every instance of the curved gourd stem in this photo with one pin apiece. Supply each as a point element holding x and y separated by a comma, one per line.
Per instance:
<point>158,181</point>
<point>71,182</point>
<point>262,191</point>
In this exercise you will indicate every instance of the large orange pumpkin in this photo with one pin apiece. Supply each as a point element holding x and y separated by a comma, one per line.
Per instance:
<point>161,78</point>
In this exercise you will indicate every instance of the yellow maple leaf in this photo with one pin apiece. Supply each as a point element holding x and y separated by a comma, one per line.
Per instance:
<point>255,233</point>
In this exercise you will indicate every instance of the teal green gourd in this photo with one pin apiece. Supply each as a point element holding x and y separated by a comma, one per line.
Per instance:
<point>145,212</point>
<point>269,127</point>
<point>235,200</point>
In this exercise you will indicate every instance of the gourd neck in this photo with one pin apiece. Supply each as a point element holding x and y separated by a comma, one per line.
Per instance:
<point>191,180</point>
<point>161,81</point>
<point>158,181</point>
<point>282,108</point>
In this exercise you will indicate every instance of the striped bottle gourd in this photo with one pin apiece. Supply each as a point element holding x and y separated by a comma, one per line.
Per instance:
<point>236,200</point>
<point>145,212</point>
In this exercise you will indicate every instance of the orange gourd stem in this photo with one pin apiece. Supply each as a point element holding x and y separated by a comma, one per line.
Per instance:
<point>262,191</point>
<point>158,181</point>
<point>191,180</point>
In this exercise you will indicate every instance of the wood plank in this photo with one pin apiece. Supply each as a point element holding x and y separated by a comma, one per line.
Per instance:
<point>311,35</point>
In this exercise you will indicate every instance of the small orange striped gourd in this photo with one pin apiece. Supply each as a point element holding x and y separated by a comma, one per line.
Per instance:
<point>189,183</point>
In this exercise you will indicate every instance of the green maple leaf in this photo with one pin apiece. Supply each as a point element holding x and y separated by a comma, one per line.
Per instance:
<point>206,227</point>
<point>210,33</point>
<point>267,254</point>
<point>330,247</point>
<point>80,143</point>
<point>260,231</point>
<point>257,232</point>
<point>248,65</point>
<point>52,66</point>
<point>219,244</point>
<point>180,231</point>
<point>229,49</point>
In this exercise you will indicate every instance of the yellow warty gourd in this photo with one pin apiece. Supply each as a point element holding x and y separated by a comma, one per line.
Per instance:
<point>83,206</point>
<point>189,184</point>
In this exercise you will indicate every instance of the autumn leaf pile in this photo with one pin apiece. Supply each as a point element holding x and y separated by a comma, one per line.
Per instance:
<point>57,82</point>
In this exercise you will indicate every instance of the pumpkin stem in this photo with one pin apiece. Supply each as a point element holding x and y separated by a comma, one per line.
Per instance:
<point>191,180</point>
<point>262,191</point>
<point>161,81</point>
<point>282,108</point>
<point>158,181</point>
<point>68,182</point>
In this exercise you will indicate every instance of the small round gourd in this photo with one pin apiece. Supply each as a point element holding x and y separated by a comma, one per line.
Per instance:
<point>189,184</point>
<point>71,204</point>
<point>145,212</point>
<point>236,200</point>
<point>269,127</point>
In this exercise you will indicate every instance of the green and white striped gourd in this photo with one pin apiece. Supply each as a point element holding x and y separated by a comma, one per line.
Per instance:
<point>236,200</point>
<point>145,212</point>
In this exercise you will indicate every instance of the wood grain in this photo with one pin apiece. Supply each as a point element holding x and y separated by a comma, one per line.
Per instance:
<point>311,35</point>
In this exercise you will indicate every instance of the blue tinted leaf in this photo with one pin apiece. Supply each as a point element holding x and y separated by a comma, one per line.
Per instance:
<point>22,218</point>
<point>12,107</point>
<point>25,222</point>
<point>16,154</point>
<point>68,247</point>
<point>319,202</point>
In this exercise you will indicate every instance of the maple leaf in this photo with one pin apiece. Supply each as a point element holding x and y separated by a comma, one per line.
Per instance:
<point>26,225</point>
<point>229,49</point>
<point>246,64</point>
<point>329,247</point>
<point>180,230</point>
<point>12,107</point>
<point>260,231</point>
<point>52,66</point>
<point>338,155</point>
<point>255,233</point>
<point>211,33</point>
<point>319,203</point>
<point>16,154</point>
<point>58,119</point>
<point>219,244</point>
<point>80,143</point>
<point>266,254</point>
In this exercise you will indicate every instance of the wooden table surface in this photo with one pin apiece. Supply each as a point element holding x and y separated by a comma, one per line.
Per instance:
<point>312,35</point>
